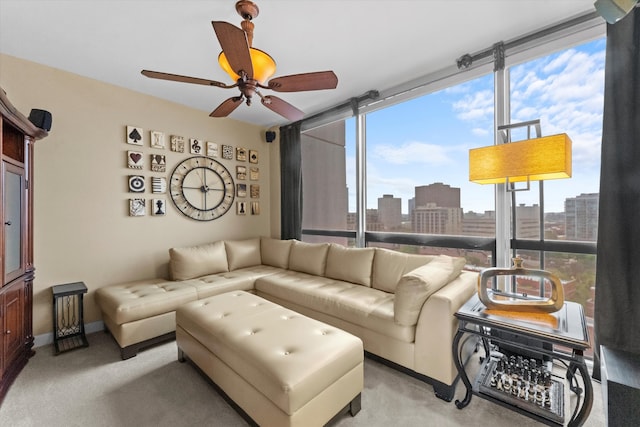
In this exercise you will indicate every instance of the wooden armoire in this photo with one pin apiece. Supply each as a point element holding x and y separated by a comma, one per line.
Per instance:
<point>17,137</point>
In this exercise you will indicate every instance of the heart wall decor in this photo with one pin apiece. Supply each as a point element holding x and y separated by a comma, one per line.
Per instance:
<point>134,160</point>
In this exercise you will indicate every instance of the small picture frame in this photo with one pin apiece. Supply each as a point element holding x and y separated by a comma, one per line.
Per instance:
<point>195,146</point>
<point>227,152</point>
<point>158,163</point>
<point>254,174</point>
<point>137,207</point>
<point>158,207</point>
<point>158,184</point>
<point>255,208</point>
<point>241,172</point>
<point>157,139</point>
<point>241,190</point>
<point>135,160</point>
<point>136,184</point>
<point>177,144</point>
<point>241,154</point>
<point>135,135</point>
<point>253,156</point>
<point>241,208</point>
<point>212,149</point>
<point>254,191</point>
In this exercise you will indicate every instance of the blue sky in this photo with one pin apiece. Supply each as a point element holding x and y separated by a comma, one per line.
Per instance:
<point>427,139</point>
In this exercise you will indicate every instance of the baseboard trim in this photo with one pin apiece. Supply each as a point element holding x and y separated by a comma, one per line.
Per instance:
<point>46,339</point>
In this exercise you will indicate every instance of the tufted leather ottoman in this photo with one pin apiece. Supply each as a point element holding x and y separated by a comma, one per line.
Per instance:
<point>280,367</point>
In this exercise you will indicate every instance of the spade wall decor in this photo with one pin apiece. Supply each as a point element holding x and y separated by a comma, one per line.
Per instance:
<point>135,135</point>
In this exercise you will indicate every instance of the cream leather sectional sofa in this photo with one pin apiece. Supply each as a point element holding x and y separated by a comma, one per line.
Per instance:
<point>402,306</point>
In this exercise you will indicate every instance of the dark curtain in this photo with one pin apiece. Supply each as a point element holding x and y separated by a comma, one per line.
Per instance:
<point>291,182</point>
<point>617,304</point>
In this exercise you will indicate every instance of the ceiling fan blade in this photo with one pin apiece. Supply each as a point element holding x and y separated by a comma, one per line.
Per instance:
<point>282,107</point>
<point>227,107</point>
<point>183,79</point>
<point>233,41</point>
<point>308,81</point>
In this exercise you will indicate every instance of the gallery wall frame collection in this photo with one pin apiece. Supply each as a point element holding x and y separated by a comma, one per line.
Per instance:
<point>246,188</point>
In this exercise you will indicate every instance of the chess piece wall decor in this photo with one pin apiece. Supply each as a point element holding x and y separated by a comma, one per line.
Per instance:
<point>158,207</point>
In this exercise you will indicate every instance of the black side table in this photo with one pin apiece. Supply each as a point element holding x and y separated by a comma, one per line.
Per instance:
<point>551,336</point>
<point>68,317</point>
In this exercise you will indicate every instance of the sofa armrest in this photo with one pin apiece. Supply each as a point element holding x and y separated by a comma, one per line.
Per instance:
<point>437,326</point>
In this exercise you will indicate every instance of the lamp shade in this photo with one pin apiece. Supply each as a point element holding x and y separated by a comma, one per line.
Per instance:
<point>536,159</point>
<point>263,65</point>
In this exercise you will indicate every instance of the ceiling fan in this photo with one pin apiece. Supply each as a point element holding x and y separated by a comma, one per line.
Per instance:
<point>251,68</point>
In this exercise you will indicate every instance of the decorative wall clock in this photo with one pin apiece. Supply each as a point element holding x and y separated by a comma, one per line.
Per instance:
<point>202,189</point>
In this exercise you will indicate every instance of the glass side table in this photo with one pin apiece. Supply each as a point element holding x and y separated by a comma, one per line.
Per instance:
<point>68,317</point>
<point>561,336</point>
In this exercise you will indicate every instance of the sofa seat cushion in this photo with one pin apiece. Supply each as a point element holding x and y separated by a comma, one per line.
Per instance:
<point>288,357</point>
<point>242,279</point>
<point>131,301</point>
<point>360,305</point>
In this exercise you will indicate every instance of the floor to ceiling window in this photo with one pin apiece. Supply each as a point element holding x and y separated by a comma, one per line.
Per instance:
<point>328,180</point>
<point>417,167</point>
<point>416,189</point>
<point>565,91</point>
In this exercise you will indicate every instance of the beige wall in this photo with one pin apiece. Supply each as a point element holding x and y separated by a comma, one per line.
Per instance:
<point>82,228</point>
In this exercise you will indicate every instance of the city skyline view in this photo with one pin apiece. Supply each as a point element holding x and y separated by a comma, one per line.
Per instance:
<point>427,140</point>
<point>419,149</point>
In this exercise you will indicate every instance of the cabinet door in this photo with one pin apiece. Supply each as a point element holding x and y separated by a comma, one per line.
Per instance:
<point>13,323</point>
<point>14,224</point>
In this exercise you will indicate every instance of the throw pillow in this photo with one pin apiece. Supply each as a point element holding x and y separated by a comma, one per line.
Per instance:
<point>308,258</point>
<point>275,252</point>
<point>195,261</point>
<point>243,253</point>
<point>418,285</point>
<point>350,264</point>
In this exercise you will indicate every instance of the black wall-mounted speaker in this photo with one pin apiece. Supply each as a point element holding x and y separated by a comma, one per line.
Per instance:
<point>270,136</point>
<point>41,118</point>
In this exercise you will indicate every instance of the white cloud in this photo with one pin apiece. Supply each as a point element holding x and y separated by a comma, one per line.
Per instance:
<point>480,131</point>
<point>476,106</point>
<point>566,94</point>
<point>412,152</point>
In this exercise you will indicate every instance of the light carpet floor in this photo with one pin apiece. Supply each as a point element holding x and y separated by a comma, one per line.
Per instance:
<point>93,387</point>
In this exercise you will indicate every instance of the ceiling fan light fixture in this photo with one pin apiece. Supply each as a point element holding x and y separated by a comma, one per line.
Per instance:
<point>264,65</point>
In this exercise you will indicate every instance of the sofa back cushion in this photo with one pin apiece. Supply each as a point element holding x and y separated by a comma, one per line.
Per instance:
<point>350,264</point>
<point>195,261</point>
<point>243,253</point>
<point>275,252</point>
<point>389,267</point>
<point>418,285</point>
<point>308,258</point>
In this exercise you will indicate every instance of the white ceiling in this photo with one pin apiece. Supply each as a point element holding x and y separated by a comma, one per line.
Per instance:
<point>370,44</point>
